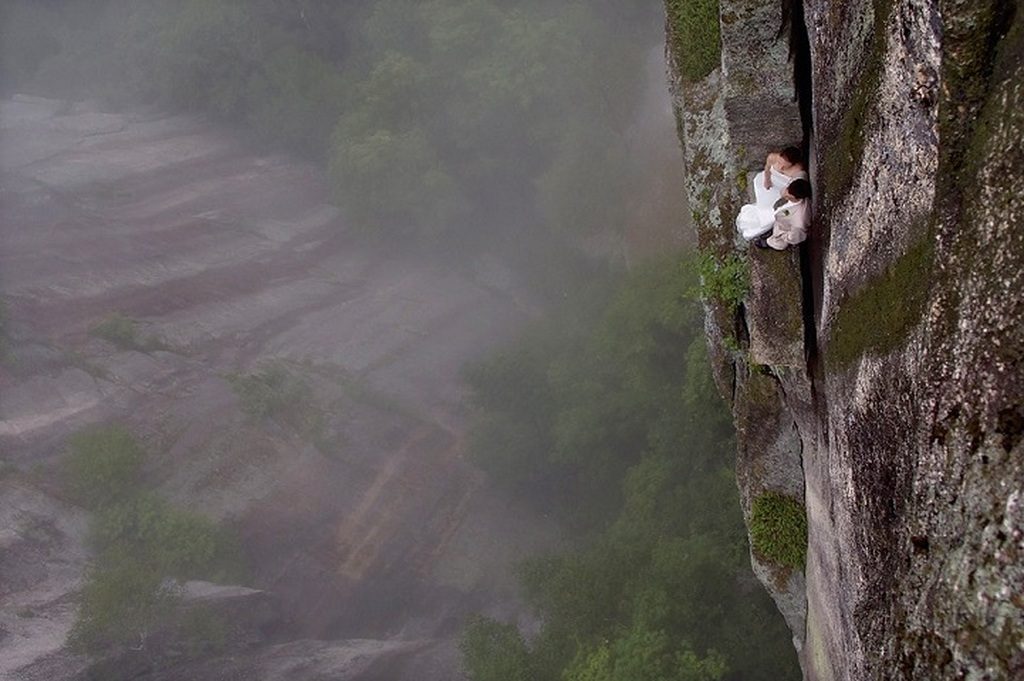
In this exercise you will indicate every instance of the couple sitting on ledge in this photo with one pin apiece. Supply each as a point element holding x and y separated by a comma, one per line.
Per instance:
<point>779,216</point>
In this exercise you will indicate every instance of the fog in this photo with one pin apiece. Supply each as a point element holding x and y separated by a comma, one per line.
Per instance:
<point>355,341</point>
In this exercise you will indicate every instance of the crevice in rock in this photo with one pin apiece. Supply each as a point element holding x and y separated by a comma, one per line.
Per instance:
<point>742,330</point>
<point>810,262</point>
<point>794,27</point>
<point>1010,427</point>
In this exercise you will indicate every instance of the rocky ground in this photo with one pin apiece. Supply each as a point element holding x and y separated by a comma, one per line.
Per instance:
<point>372,534</point>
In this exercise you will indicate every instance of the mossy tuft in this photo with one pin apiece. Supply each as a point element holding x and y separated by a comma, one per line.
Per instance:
<point>695,36</point>
<point>778,530</point>
<point>123,333</point>
<point>279,394</point>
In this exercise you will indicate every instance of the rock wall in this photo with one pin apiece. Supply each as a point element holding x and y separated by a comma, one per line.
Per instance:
<point>723,118</point>
<point>899,424</point>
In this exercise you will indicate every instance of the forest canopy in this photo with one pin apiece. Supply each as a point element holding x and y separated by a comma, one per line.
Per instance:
<point>607,414</point>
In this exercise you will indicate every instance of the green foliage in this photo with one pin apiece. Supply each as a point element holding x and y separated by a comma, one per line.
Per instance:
<point>644,655</point>
<point>117,329</point>
<point>296,99</point>
<point>617,407</point>
<point>123,333</point>
<point>119,604</point>
<point>394,182</point>
<point>464,102</point>
<point>878,317</point>
<point>696,36</point>
<point>103,465</point>
<point>143,546</point>
<point>778,529</point>
<point>80,361</point>
<point>580,405</point>
<point>176,543</point>
<point>512,434</point>
<point>725,280</point>
<point>492,651</point>
<point>7,469</point>
<point>278,394</point>
<point>206,53</point>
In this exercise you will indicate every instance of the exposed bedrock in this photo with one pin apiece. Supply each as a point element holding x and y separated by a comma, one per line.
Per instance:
<point>728,119</point>
<point>905,420</point>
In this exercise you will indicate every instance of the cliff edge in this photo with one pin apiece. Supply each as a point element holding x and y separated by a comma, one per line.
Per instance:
<point>875,376</point>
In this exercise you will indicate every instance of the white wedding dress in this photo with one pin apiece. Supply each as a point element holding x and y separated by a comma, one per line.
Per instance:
<point>757,218</point>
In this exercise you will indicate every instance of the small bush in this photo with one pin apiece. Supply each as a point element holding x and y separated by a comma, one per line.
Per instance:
<point>144,546</point>
<point>494,651</point>
<point>123,333</point>
<point>80,361</point>
<point>778,529</point>
<point>117,329</point>
<point>275,393</point>
<point>144,549</point>
<point>726,280</point>
<point>176,543</point>
<point>120,603</point>
<point>103,465</point>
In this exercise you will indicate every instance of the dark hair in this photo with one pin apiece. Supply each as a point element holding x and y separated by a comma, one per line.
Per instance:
<point>792,154</point>
<point>799,189</point>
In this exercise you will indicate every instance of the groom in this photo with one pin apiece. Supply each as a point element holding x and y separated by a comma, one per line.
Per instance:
<point>791,219</point>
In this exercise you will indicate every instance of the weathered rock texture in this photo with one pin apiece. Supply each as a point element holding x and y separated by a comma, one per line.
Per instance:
<point>722,122</point>
<point>908,416</point>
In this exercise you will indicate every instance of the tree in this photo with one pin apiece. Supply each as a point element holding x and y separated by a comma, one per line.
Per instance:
<point>645,655</point>
<point>394,182</point>
<point>103,465</point>
<point>661,590</point>
<point>494,651</point>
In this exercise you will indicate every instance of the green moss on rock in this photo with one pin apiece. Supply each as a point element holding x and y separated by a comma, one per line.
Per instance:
<point>695,36</point>
<point>778,530</point>
<point>879,317</point>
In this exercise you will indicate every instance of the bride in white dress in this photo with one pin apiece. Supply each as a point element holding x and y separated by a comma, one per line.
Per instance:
<point>780,168</point>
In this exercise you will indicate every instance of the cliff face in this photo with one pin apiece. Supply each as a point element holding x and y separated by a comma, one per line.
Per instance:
<point>878,381</point>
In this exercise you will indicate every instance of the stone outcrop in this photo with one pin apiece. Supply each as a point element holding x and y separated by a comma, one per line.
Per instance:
<point>886,369</point>
<point>722,118</point>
